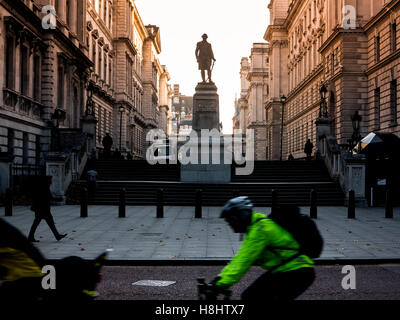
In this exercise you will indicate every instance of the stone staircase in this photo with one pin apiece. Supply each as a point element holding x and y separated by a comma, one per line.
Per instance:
<point>293,180</point>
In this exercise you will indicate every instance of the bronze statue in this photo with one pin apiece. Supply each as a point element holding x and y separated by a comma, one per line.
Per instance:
<point>205,58</point>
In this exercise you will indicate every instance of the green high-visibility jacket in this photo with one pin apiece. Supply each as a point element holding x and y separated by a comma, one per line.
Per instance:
<point>255,250</point>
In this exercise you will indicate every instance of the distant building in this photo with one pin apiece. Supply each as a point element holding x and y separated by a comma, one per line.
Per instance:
<point>182,112</point>
<point>254,75</point>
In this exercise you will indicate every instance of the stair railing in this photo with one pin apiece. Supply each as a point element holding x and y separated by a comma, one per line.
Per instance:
<point>346,168</point>
<point>66,167</point>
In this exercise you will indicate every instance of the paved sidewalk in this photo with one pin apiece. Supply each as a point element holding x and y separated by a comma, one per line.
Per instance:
<point>141,236</point>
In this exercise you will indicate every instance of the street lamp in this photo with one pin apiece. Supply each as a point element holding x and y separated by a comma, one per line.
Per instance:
<point>283,101</point>
<point>355,120</point>
<point>121,111</point>
<point>89,102</point>
<point>323,110</point>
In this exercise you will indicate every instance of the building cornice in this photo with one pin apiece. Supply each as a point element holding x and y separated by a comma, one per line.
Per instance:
<point>292,12</point>
<point>336,34</point>
<point>271,29</point>
<point>393,56</point>
<point>381,14</point>
<point>128,42</point>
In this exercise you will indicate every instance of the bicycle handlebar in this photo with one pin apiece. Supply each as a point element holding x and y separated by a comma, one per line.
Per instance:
<point>210,292</point>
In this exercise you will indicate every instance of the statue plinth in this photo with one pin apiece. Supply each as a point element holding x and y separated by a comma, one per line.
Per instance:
<point>205,107</point>
<point>209,152</point>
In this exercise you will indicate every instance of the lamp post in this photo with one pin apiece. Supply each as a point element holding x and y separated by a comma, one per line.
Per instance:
<point>355,120</point>
<point>283,100</point>
<point>89,102</point>
<point>121,111</point>
<point>323,110</point>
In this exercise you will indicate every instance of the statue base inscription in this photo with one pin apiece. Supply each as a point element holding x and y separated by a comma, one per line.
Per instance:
<point>205,107</point>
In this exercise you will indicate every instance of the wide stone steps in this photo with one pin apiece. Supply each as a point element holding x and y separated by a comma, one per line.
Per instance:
<point>293,180</point>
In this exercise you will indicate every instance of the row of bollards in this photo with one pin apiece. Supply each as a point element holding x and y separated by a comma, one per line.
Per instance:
<point>351,211</point>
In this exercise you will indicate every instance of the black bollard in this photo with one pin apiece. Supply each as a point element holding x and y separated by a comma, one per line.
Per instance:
<point>122,204</point>
<point>84,203</point>
<point>8,210</point>
<point>198,210</point>
<point>160,203</point>
<point>351,211</point>
<point>275,201</point>
<point>389,205</point>
<point>313,204</point>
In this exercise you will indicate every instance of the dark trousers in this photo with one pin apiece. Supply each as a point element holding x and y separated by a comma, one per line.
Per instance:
<point>280,286</point>
<point>50,221</point>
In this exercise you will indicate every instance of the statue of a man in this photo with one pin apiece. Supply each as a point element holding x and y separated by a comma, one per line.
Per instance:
<point>205,56</point>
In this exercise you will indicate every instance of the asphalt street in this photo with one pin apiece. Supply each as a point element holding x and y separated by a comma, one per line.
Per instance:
<point>373,282</point>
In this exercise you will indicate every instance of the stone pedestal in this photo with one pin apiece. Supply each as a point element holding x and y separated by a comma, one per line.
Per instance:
<point>6,160</point>
<point>89,123</point>
<point>58,167</point>
<point>210,161</point>
<point>323,128</point>
<point>205,107</point>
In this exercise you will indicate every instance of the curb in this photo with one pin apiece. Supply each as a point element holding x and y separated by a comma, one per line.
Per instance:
<point>224,261</point>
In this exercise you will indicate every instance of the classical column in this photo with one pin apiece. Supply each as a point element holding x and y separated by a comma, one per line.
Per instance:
<point>72,16</point>
<point>61,10</point>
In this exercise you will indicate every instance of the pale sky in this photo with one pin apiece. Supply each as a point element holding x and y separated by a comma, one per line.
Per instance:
<point>232,27</point>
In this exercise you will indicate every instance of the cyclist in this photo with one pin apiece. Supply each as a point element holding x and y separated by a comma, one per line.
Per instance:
<point>266,244</point>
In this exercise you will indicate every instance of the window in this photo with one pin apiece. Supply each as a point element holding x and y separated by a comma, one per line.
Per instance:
<point>94,54</point>
<point>24,84</point>
<point>393,34</point>
<point>105,68</point>
<point>10,141</point>
<point>129,76</point>
<point>110,72</point>
<point>377,107</point>
<point>393,102</point>
<point>377,48</point>
<point>37,150</point>
<point>10,63</point>
<point>60,87</point>
<point>25,148</point>
<point>105,11</point>
<point>36,77</point>
<point>100,62</point>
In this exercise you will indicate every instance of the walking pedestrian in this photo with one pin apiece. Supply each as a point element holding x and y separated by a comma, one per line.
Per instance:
<point>308,147</point>
<point>107,144</point>
<point>41,201</point>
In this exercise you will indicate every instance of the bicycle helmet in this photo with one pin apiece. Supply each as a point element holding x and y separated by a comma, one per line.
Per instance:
<point>237,212</point>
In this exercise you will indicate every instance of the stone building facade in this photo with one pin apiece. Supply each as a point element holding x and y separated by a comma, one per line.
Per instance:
<point>53,63</point>
<point>42,73</point>
<point>99,42</point>
<point>349,46</point>
<point>101,45</point>
<point>254,92</point>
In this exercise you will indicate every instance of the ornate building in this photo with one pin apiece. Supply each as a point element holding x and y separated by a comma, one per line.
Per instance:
<point>254,92</point>
<point>43,76</point>
<point>352,50</point>
<point>99,42</point>
<point>69,76</point>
